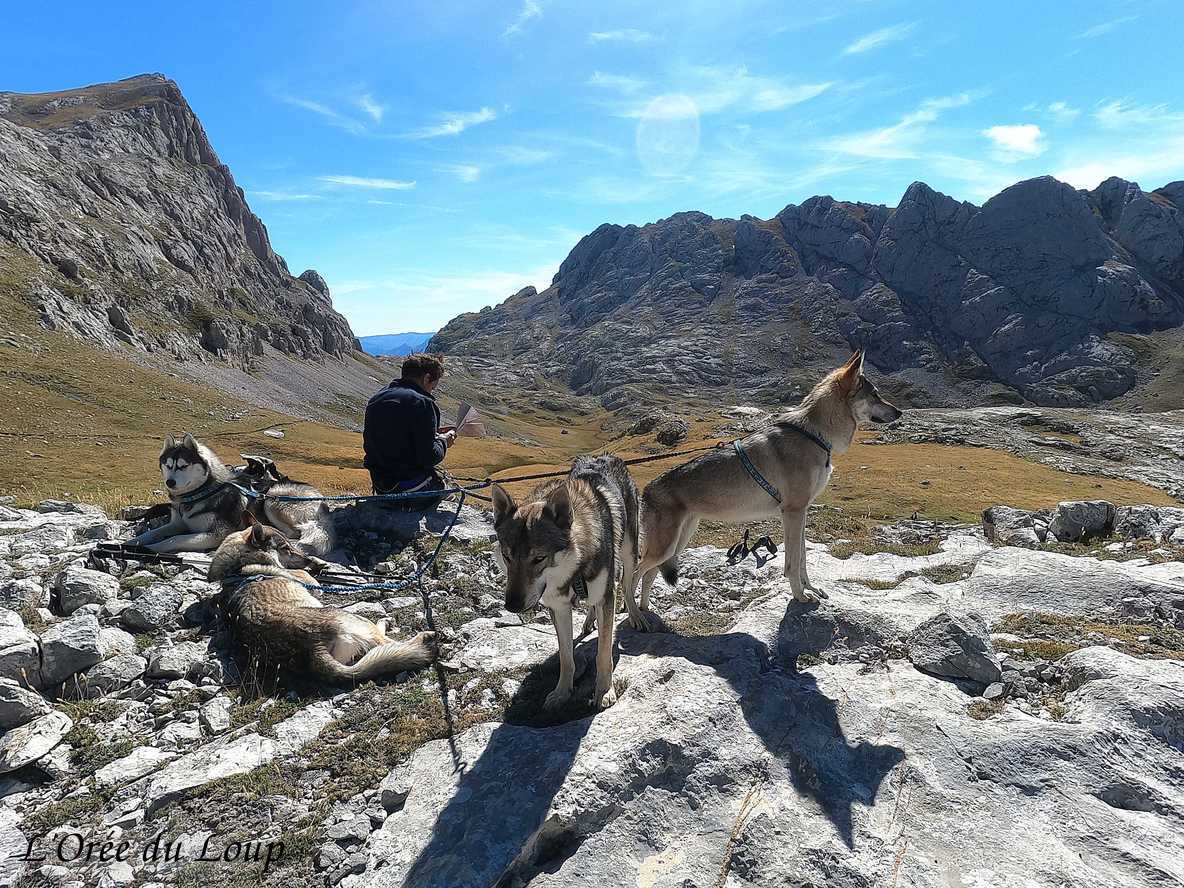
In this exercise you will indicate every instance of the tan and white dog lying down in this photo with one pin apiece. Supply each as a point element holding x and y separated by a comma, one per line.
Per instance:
<point>793,456</point>
<point>272,613</point>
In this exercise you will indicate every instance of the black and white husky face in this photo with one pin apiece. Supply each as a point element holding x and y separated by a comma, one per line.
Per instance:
<point>182,466</point>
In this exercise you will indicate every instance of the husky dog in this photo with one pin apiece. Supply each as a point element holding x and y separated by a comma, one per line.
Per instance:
<point>272,612</point>
<point>792,456</point>
<point>562,545</point>
<point>306,521</point>
<point>204,507</point>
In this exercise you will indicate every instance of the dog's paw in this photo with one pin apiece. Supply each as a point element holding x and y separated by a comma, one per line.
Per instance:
<point>821,593</point>
<point>641,622</point>
<point>607,699</point>
<point>557,698</point>
<point>589,625</point>
<point>429,642</point>
<point>807,596</point>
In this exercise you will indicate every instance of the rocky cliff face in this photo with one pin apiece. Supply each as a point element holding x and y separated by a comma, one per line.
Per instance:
<point>1012,300</point>
<point>118,221</point>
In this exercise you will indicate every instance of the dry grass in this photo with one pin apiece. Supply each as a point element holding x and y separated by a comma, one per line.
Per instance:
<point>85,424</point>
<point>1051,636</point>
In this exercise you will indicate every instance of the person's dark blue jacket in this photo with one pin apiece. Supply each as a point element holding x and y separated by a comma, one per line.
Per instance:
<point>399,435</point>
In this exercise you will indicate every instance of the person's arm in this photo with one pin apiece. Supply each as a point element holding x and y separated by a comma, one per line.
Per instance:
<point>429,447</point>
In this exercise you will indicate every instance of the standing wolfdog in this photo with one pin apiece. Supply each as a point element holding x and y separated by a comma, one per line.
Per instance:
<point>271,612</point>
<point>563,544</point>
<point>793,456</point>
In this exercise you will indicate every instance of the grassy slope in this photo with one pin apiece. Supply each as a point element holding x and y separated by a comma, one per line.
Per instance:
<point>79,422</point>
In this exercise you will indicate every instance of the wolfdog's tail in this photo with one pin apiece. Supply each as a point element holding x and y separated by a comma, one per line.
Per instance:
<point>669,569</point>
<point>386,659</point>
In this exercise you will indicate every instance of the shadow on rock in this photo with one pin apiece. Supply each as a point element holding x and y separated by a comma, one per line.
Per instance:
<point>794,719</point>
<point>495,816</point>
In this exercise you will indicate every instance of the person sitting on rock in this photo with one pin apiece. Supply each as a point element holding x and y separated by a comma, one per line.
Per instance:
<point>402,436</point>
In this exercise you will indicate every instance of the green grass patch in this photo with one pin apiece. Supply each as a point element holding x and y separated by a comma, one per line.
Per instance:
<point>845,550</point>
<point>1051,636</point>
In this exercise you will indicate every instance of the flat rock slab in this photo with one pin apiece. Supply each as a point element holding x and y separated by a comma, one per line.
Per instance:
<point>141,761</point>
<point>827,777</point>
<point>26,744</point>
<point>236,755</point>
<point>490,647</point>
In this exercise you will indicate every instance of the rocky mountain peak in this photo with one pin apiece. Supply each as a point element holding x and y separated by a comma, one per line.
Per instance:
<point>121,224</point>
<point>1014,300</point>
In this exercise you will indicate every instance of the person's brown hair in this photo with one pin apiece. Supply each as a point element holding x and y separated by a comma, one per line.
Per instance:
<point>417,365</point>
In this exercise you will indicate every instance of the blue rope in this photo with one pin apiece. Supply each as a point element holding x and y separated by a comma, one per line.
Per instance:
<point>237,582</point>
<point>364,498</point>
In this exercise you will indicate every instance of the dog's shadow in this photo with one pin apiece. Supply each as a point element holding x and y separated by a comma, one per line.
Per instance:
<point>521,768</point>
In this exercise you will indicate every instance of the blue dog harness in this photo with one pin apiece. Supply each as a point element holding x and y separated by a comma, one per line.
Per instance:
<point>761,479</point>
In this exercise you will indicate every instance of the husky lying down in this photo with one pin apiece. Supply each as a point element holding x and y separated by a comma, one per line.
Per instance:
<point>206,508</point>
<point>272,613</point>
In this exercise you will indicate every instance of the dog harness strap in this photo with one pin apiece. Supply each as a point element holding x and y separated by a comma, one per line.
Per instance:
<point>198,495</point>
<point>816,438</point>
<point>756,476</point>
<point>580,586</point>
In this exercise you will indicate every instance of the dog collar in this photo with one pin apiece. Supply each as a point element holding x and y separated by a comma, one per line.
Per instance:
<point>188,499</point>
<point>811,436</point>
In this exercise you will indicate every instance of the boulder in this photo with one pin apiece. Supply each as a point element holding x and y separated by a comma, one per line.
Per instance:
<point>1006,526</point>
<point>215,714</point>
<point>70,647</point>
<point>20,652</point>
<point>955,646</point>
<point>185,659</point>
<point>78,585</point>
<point>114,674</point>
<point>19,705</point>
<point>155,608</point>
<point>26,744</point>
<point>1077,521</point>
<point>25,592</point>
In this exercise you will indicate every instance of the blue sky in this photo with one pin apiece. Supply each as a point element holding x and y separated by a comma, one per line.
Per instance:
<point>433,158</point>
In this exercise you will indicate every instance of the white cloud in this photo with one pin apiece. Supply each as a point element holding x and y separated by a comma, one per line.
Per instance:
<point>1104,28</point>
<point>713,90</point>
<point>365,182</point>
<point>329,115</point>
<point>282,196</point>
<point>624,35</point>
<point>1165,161</point>
<point>620,82</point>
<point>879,38</point>
<point>366,102</point>
<point>1063,112</point>
<point>1121,115</point>
<point>520,155</point>
<point>1016,142</point>
<point>775,97</point>
<point>531,9</point>
<point>453,123</point>
<point>902,140</point>
<point>464,172</point>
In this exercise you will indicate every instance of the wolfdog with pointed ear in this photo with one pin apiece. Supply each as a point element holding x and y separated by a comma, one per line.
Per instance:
<point>205,508</point>
<point>562,545</point>
<point>778,471</point>
<point>272,612</point>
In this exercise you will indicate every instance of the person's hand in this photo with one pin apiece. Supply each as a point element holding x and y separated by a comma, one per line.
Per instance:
<point>449,436</point>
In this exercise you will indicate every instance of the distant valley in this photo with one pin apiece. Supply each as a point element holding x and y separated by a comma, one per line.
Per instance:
<point>395,343</point>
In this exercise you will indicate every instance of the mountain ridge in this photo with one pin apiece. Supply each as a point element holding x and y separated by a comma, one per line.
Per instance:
<point>958,304</point>
<point>132,230</point>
